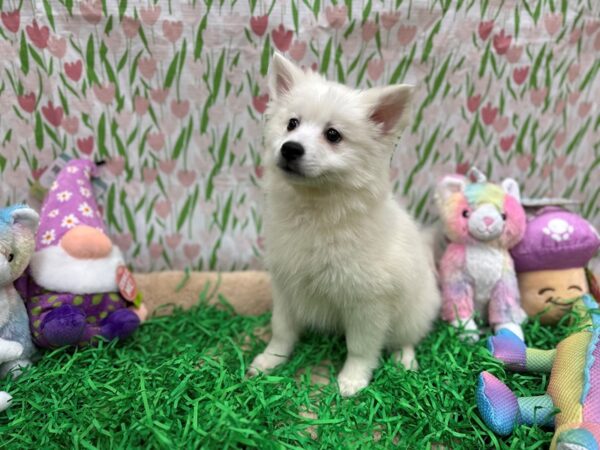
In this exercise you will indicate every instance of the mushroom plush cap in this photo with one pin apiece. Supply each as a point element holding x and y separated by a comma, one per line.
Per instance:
<point>556,239</point>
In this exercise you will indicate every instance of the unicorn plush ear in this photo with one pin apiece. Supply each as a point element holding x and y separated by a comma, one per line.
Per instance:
<point>511,187</point>
<point>26,217</point>
<point>282,76</point>
<point>450,184</point>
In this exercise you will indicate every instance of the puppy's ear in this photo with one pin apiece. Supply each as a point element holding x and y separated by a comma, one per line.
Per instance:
<point>511,187</point>
<point>450,184</point>
<point>388,106</point>
<point>283,74</point>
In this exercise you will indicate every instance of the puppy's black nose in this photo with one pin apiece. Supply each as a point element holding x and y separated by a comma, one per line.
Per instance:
<point>292,151</point>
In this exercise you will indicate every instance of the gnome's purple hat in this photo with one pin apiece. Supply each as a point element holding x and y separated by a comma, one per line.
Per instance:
<point>70,202</point>
<point>556,239</point>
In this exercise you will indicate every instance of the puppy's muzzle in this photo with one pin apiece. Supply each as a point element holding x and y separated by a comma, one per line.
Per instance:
<point>291,155</point>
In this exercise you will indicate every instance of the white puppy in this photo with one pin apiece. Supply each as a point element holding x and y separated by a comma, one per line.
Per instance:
<point>343,255</point>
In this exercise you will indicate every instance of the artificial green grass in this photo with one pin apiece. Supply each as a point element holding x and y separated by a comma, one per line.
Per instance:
<point>179,383</point>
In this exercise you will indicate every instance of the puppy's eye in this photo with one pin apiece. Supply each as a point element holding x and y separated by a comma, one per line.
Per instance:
<point>465,213</point>
<point>10,257</point>
<point>293,124</point>
<point>333,135</point>
<point>503,215</point>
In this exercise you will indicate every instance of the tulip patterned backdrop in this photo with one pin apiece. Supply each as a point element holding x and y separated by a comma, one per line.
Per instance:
<point>171,94</point>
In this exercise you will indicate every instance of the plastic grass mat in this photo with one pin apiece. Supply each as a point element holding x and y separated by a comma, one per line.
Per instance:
<point>179,383</point>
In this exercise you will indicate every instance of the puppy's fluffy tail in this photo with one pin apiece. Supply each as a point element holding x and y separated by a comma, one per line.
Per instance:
<point>433,237</point>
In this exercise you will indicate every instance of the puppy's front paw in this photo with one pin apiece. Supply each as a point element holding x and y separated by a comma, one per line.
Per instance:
<point>350,385</point>
<point>5,400</point>
<point>406,357</point>
<point>10,350</point>
<point>264,363</point>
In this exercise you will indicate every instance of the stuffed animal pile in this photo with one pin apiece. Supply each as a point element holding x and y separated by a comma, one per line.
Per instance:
<point>551,261</point>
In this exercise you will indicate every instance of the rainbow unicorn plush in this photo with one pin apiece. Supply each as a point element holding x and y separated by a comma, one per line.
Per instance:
<point>573,389</point>
<point>482,221</point>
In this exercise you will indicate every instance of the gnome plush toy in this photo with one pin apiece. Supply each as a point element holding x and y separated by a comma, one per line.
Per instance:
<point>77,287</point>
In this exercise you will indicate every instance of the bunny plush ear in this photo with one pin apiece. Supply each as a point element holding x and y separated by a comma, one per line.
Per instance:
<point>511,187</point>
<point>476,175</point>
<point>389,106</point>
<point>450,184</point>
<point>26,217</point>
<point>282,76</point>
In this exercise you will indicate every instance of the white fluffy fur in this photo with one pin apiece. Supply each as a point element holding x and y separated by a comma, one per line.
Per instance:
<point>54,269</point>
<point>5,400</point>
<point>344,256</point>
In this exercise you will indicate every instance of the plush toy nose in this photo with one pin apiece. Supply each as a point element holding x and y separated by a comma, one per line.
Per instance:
<point>85,242</point>
<point>488,221</point>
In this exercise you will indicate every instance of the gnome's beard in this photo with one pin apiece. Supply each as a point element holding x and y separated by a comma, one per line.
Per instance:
<point>54,269</point>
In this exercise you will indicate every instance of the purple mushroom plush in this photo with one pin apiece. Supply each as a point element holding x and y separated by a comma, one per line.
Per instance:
<point>551,262</point>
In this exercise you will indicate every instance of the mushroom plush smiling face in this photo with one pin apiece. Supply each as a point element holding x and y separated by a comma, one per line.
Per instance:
<point>551,261</point>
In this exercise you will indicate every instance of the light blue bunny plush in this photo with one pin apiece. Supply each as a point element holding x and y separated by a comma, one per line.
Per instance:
<point>18,225</point>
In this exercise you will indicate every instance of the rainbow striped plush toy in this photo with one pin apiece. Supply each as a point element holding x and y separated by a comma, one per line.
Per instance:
<point>573,390</point>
